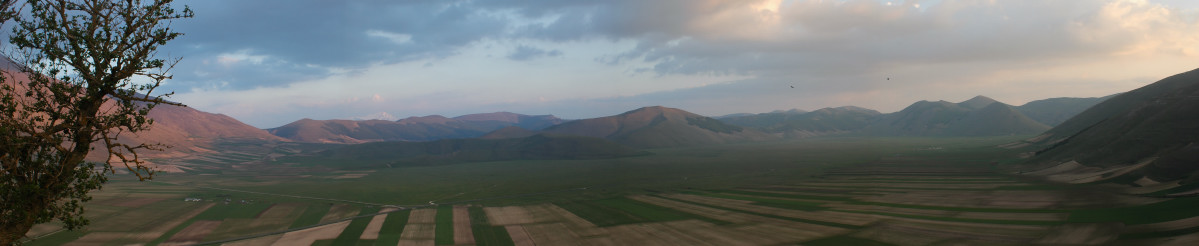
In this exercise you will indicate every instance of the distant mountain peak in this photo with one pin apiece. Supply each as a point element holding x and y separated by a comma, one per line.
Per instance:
<point>977,102</point>
<point>655,110</point>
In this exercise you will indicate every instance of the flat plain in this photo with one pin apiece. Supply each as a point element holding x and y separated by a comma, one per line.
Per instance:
<point>819,191</point>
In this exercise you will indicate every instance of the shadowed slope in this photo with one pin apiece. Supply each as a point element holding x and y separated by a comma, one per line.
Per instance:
<point>1157,123</point>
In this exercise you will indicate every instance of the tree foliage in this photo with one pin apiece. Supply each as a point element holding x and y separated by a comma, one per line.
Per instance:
<point>72,88</point>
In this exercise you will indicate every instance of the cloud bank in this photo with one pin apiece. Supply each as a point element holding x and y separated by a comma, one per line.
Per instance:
<point>269,62</point>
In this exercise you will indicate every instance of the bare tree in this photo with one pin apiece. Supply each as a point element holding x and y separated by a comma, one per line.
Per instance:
<point>73,88</point>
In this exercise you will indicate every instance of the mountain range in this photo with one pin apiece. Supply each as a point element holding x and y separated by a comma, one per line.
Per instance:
<point>978,116</point>
<point>191,131</point>
<point>427,128</point>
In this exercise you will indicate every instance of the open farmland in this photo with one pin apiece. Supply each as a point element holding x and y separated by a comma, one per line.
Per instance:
<point>833,191</point>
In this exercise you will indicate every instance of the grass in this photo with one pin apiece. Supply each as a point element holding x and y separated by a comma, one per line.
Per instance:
<point>484,232</point>
<point>444,230</point>
<point>393,227</point>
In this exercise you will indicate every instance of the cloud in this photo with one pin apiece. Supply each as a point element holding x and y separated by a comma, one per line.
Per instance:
<point>525,53</point>
<point>311,39</point>
<point>443,57</point>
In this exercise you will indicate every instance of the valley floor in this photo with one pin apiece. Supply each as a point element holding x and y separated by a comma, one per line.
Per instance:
<point>903,196</point>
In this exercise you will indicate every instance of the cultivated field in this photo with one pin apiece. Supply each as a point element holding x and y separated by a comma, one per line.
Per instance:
<point>830,191</point>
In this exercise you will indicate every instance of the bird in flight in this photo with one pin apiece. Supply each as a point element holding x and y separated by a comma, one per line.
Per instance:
<point>792,86</point>
<point>888,78</point>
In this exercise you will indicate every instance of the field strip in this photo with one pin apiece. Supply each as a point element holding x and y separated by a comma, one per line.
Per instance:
<point>923,178</point>
<point>549,208</point>
<point>310,235</point>
<point>422,242</point>
<point>720,214</point>
<point>462,231</point>
<point>982,199</point>
<point>948,213</point>
<point>283,195</point>
<point>745,229</point>
<point>511,215</point>
<point>905,234</point>
<point>900,186</point>
<point>519,236</point>
<point>419,232</point>
<point>339,211</point>
<point>916,181</point>
<point>1082,234</point>
<point>553,234</point>
<point>193,233</point>
<point>372,229</point>
<point>266,240</point>
<point>652,234</point>
<point>421,226</point>
<point>259,236</point>
<point>176,218</point>
<point>814,191</point>
<point>423,216</point>
<point>1180,240</point>
<point>822,216</point>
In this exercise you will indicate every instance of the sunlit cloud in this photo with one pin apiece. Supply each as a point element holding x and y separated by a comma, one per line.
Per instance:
<point>590,58</point>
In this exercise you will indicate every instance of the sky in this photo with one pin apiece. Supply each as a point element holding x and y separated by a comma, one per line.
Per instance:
<point>271,62</point>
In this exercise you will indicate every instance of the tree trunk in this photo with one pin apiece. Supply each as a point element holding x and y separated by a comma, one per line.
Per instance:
<point>10,234</point>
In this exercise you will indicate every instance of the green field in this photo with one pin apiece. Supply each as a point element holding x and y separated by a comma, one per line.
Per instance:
<point>848,190</point>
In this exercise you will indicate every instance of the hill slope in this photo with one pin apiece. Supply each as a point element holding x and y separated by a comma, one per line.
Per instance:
<point>656,127</point>
<point>978,102</point>
<point>996,119</point>
<point>1153,131</point>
